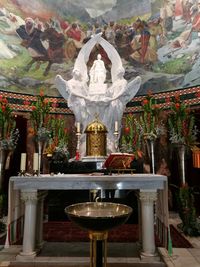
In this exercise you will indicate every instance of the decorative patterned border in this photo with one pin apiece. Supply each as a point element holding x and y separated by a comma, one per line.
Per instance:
<point>191,96</point>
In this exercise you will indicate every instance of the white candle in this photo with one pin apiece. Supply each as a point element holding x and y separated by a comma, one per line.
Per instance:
<point>35,161</point>
<point>23,162</point>
<point>78,127</point>
<point>116,126</point>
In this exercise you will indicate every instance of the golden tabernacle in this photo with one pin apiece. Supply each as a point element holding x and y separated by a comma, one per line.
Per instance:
<point>96,139</point>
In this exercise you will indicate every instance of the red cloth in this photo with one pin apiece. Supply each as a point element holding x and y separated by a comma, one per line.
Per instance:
<point>196,23</point>
<point>178,8</point>
<point>74,34</point>
<point>64,25</point>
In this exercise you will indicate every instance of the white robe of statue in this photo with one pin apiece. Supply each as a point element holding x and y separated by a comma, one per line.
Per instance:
<point>87,101</point>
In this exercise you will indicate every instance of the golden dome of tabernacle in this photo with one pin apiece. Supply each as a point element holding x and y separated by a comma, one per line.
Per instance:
<point>96,126</point>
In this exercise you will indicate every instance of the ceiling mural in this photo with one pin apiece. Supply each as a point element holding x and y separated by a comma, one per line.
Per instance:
<point>156,39</point>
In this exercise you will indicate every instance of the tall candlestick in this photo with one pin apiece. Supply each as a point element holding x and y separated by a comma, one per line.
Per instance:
<point>78,127</point>
<point>116,126</point>
<point>35,161</point>
<point>23,162</point>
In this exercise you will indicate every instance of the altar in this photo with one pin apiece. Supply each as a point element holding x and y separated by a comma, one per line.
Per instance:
<point>28,194</point>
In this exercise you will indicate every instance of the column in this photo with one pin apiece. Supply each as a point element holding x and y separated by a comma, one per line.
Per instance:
<point>147,199</point>
<point>39,219</point>
<point>28,248</point>
<point>139,219</point>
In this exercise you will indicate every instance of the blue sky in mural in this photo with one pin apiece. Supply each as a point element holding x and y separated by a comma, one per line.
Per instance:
<point>158,40</point>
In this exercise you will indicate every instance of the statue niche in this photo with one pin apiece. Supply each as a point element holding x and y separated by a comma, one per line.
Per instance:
<point>88,95</point>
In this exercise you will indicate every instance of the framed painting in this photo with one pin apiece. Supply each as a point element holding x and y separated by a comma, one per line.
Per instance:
<point>156,39</point>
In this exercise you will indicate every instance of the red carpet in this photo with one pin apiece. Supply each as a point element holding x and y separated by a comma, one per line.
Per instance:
<point>69,232</point>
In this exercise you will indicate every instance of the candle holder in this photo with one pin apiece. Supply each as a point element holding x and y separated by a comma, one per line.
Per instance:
<point>22,173</point>
<point>78,134</point>
<point>35,173</point>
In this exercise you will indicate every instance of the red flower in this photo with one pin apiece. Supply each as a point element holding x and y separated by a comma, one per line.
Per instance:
<point>33,108</point>
<point>46,101</point>
<point>145,101</point>
<point>127,130</point>
<point>3,108</point>
<point>177,105</point>
<point>41,93</point>
<point>4,100</point>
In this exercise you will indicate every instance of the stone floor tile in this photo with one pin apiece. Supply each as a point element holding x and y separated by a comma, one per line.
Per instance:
<point>182,252</point>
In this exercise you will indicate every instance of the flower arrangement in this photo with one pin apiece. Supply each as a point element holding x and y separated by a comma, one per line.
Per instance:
<point>181,121</point>
<point>131,141</point>
<point>146,126</point>
<point>9,135</point>
<point>149,123</point>
<point>40,117</point>
<point>58,143</point>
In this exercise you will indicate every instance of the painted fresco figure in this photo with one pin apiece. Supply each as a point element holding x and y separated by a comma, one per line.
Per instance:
<point>30,35</point>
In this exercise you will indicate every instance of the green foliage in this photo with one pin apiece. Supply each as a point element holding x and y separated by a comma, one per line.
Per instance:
<point>131,140</point>
<point>187,212</point>
<point>149,122</point>
<point>47,127</point>
<point>40,112</point>
<point>8,133</point>
<point>145,126</point>
<point>174,66</point>
<point>181,123</point>
<point>59,137</point>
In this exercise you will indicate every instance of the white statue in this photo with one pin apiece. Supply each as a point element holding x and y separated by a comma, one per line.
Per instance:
<point>86,103</point>
<point>98,71</point>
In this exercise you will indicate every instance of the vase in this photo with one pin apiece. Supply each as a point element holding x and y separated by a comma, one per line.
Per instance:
<point>39,156</point>
<point>181,150</point>
<point>150,148</point>
<point>41,148</point>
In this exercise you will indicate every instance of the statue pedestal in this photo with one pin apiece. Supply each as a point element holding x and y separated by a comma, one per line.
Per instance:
<point>98,160</point>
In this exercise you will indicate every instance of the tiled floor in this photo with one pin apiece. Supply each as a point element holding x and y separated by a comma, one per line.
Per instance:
<point>182,257</point>
<point>72,254</point>
<point>120,255</point>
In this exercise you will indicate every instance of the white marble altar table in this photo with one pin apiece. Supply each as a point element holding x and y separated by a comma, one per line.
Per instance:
<point>32,191</point>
